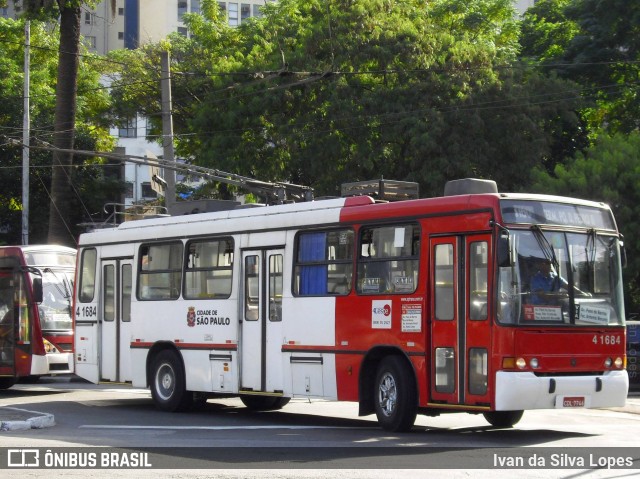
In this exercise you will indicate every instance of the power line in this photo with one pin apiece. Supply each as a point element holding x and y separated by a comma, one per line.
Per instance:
<point>273,191</point>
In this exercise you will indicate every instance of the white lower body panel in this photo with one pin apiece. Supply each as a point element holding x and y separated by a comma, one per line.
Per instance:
<point>524,390</point>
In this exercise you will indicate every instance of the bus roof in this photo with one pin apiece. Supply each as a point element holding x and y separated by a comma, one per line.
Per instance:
<point>309,214</point>
<point>41,255</point>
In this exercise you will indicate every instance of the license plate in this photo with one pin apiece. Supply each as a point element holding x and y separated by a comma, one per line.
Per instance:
<point>570,401</point>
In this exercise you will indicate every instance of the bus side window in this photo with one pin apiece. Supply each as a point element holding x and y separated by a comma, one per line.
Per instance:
<point>251,288</point>
<point>87,275</point>
<point>160,271</point>
<point>324,263</point>
<point>444,282</point>
<point>209,269</point>
<point>388,260</point>
<point>478,280</point>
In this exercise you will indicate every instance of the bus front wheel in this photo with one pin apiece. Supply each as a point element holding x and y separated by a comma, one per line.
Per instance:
<point>395,395</point>
<point>168,382</point>
<point>503,418</point>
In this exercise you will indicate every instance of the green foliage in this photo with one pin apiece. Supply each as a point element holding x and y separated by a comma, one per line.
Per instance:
<point>606,55</point>
<point>546,30</point>
<point>595,43</point>
<point>609,171</point>
<point>91,132</point>
<point>323,92</point>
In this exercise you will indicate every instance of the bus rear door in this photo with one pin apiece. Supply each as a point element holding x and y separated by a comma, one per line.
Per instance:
<point>460,328</point>
<point>116,319</point>
<point>7,327</point>
<point>261,343</point>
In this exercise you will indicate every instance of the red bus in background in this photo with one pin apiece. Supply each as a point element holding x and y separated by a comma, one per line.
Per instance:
<point>36,331</point>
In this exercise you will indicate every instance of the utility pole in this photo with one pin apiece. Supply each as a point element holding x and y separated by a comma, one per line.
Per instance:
<point>167,133</point>
<point>25,136</point>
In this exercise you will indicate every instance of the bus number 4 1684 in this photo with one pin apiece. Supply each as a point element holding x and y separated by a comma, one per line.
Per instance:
<point>87,311</point>
<point>606,339</point>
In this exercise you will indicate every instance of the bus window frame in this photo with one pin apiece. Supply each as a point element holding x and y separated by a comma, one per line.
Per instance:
<point>83,276</point>
<point>141,273</point>
<point>386,261</point>
<point>348,263</point>
<point>186,270</point>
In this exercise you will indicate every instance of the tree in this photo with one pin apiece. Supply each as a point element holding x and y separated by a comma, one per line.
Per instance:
<point>605,56</point>
<point>324,92</point>
<point>91,132</point>
<point>68,13</point>
<point>594,43</point>
<point>546,31</point>
<point>609,171</point>
<point>64,123</point>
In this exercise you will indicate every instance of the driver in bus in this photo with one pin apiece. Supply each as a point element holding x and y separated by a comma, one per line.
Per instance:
<point>6,304</point>
<point>546,284</point>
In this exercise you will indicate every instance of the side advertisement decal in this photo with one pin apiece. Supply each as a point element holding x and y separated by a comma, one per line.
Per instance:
<point>381,316</point>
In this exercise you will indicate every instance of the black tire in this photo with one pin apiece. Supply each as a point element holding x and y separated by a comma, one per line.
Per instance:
<point>29,380</point>
<point>6,383</point>
<point>503,419</point>
<point>264,403</point>
<point>395,396</point>
<point>198,401</point>
<point>168,383</point>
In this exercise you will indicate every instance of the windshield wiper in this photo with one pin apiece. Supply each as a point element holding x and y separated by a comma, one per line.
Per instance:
<point>590,253</point>
<point>546,247</point>
<point>66,294</point>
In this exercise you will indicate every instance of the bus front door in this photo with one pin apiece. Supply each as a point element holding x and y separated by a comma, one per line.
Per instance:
<point>261,332</point>
<point>116,320</point>
<point>460,326</point>
<point>8,283</point>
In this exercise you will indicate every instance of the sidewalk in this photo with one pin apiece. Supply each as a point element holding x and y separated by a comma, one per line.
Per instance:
<point>15,419</point>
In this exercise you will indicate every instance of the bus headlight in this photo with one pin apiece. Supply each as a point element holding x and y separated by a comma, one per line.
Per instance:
<point>534,363</point>
<point>608,362</point>
<point>618,362</point>
<point>521,363</point>
<point>48,347</point>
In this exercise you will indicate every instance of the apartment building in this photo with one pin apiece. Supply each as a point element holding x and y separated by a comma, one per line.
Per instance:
<point>522,5</point>
<point>137,22</point>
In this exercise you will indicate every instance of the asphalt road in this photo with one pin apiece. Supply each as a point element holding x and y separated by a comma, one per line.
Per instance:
<point>319,438</point>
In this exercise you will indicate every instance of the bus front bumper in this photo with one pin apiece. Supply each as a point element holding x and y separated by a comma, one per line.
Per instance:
<point>524,390</point>
<point>57,363</point>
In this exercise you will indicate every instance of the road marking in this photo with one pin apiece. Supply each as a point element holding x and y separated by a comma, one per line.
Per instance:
<point>212,428</point>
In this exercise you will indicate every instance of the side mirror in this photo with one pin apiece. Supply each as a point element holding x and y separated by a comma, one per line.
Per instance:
<point>503,252</point>
<point>38,294</point>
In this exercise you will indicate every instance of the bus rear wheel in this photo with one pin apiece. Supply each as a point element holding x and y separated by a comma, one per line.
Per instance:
<point>6,383</point>
<point>264,403</point>
<point>503,418</point>
<point>395,395</point>
<point>168,383</point>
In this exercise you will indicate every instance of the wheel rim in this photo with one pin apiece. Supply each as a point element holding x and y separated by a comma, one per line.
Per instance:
<point>387,395</point>
<point>165,382</point>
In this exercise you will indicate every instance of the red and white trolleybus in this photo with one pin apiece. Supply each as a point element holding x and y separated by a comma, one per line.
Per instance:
<point>36,333</point>
<point>422,306</point>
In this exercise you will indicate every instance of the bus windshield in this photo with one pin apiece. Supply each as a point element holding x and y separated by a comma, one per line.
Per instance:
<point>562,278</point>
<point>55,309</point>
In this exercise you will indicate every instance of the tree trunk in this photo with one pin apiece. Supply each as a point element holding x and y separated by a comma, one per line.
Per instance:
<point>60,229</point>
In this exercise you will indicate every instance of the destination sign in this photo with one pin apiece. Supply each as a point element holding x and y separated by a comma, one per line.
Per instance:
<point>543,212</point>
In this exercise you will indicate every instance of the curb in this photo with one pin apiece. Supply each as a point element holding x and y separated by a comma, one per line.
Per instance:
<point>22,419</point>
